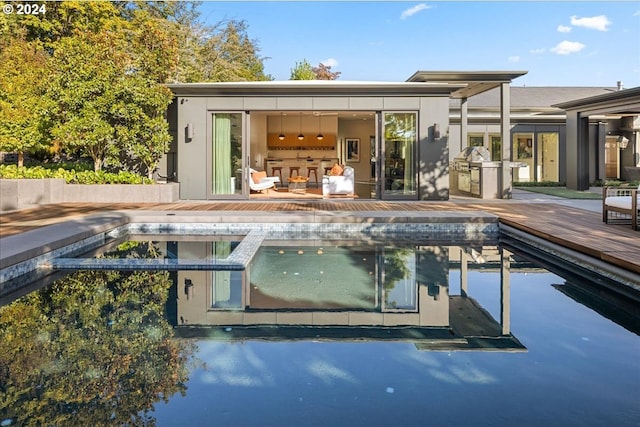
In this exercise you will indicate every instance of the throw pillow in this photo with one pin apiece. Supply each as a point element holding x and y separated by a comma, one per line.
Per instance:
<point>257,176</point>
<point>336,170</point>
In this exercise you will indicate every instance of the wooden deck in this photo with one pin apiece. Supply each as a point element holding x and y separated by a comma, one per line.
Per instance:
<point>574,228</point>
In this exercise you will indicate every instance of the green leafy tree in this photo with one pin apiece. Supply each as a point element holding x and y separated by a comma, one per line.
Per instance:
<point>302,71</point>
<point>65,19</point>
<point>225,54</point>
<point>105,107</point>
<point>23,109</point>
<point>92,349</point>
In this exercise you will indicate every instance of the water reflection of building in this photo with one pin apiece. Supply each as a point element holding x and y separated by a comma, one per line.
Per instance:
<point>317,290</point>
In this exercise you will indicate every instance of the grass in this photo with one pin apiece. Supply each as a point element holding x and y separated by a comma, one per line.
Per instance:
<point>564,192</point>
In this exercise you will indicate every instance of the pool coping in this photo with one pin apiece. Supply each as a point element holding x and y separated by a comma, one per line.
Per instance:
<point>24,254</point>
<point>21,247</point>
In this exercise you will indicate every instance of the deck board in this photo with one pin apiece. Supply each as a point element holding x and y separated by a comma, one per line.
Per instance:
<point>574,228</point>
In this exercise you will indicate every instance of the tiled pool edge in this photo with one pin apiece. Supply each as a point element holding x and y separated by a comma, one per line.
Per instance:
<point>24,253</point>
<point>238,260</point>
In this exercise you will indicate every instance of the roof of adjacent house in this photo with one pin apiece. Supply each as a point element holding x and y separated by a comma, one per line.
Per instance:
<point>539,97</point>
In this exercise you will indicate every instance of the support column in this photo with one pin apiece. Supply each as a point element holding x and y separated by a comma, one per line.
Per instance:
<point>464,123</point>
<point>505,291</point>
<point>464,272</point>
<point>600,149</point>
<point>505,136</point>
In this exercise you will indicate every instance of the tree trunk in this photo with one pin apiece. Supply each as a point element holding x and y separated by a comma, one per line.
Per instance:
<point>20,159</point>
<point>97,164</point>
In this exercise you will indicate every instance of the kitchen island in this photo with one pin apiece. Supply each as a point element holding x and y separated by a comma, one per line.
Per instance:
<point>299,166</point>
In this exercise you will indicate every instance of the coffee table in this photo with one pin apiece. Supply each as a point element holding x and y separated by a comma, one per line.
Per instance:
<point>298,184</point>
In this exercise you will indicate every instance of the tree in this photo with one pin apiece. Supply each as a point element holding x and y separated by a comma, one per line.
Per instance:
<point>105,107</point>
<point>94,348</point>
<point>323,72</point>
<point>302,71</point>
<point>23,109</point>
<point>225,53</point>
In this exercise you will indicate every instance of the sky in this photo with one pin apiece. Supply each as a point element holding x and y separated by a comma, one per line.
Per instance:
<point>558,43</point>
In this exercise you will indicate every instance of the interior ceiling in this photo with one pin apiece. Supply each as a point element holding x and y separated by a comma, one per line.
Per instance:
<point>342,115</point>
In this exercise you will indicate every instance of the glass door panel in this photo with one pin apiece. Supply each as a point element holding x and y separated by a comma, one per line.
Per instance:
<point>611,158</point>
<point>547,157</point>
<point>226,154</point>
<point>523,153</point>
<point>400,142</point>
<point>496,147</point>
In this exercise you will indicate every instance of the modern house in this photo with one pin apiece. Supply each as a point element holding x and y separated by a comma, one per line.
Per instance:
<point>401,138</point>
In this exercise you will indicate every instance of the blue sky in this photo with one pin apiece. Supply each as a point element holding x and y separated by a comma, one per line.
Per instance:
<point>559,43</point>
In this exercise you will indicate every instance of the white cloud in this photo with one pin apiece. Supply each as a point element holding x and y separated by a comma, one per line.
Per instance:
<point>600,22</point>
<point>637,13</point>
<point>514,58</point>
<point>564,29</point>
<point>330,62</point>
<point>413,10</point>
<point>566,47</point>
<point>538,51</point>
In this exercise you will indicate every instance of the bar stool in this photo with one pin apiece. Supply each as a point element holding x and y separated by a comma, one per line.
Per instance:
<point>293,169</point>
<point>275,169</point>
<point>313,169</point>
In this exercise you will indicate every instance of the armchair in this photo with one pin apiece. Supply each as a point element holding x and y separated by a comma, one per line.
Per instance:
<point>343,185</point>
<point>259,181</point>
<point>621,203</point>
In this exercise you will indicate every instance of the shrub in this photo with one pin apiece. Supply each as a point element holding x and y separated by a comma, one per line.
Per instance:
<point>71,176</point>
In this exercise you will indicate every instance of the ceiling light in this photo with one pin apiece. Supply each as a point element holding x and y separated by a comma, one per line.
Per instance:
<point>281,136</point>
<point>320,136</point>
<point>300,135</point>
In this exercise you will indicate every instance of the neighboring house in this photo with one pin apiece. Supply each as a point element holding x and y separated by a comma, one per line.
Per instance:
<point>537,133</point>
<point>400,137</point>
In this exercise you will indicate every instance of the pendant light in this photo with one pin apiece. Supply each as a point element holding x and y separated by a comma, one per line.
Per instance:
<point>320,136</point>
<point>300,135</point>
<point>281,136</point>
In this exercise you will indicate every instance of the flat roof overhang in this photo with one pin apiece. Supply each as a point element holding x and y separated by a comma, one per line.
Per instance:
<point>314,88</point>
<point>475,82</point>
<point>624,102</point>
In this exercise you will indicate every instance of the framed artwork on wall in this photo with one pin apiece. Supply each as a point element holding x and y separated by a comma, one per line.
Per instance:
<point>353,149</point>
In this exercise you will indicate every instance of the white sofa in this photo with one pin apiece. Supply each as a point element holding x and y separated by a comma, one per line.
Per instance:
<point>339,185</point>
<point>621,202</point>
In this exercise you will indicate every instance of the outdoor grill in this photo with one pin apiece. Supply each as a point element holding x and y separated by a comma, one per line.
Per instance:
<point>473,173</point>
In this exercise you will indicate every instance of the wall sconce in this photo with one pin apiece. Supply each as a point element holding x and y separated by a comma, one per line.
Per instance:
<point>188,130</point>
<point>188,288</point>
<point>436,131</point>
<point>622,142</point>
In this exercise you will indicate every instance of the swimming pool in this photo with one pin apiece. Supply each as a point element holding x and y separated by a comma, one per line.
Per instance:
<point>322,332</point>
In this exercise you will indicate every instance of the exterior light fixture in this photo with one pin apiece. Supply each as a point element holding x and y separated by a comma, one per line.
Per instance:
<point>300,135</point>
<point>622,142</point>
<point>320,136</point>
<point>281,136</point>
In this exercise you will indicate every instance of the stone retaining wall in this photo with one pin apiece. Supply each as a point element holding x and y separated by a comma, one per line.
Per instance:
<point>24,193</point>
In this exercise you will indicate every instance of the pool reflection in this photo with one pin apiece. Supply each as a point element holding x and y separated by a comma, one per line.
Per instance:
<point>316,290</point>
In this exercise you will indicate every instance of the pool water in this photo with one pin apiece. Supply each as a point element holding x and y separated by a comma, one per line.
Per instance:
<point>322,334</point>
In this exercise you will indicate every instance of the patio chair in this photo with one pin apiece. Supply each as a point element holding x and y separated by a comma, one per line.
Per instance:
<point>259,181</point>
<point>339,182</point>
<point>621,203</point>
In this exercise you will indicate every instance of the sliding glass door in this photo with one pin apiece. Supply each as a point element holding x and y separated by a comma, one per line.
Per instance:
<point>226,159</point>
<point>399,146</point>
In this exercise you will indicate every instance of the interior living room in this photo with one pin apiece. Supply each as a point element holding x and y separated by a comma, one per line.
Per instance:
<point>300,147</point>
